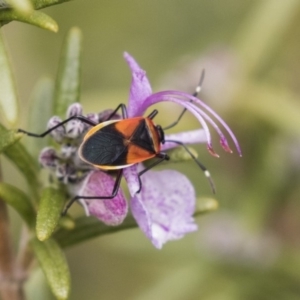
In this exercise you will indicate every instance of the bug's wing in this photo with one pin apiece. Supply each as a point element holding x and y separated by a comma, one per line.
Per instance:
<point>105,147</point>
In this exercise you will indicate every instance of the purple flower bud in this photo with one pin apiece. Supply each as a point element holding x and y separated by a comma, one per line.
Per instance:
<point>58,134</point>
<point>67,151</point>
<point>92,117</point>
<point>74,109</point>
<point>75,129</point>
<point>48,158</point>
<point>66,173</point>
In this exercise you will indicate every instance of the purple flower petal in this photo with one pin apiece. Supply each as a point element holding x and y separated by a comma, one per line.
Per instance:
<point>141,98</point>
<point>190,103</point>
<point>112,211</point>
<point>131,176</point>
<point>188,137</point>
<point>164,207</point>
<point>140,88</point>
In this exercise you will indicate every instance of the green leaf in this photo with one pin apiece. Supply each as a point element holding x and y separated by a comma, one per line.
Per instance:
<point>49,212</point>
<point>38,4</point>
<point>68,79</point>
<point>205,205</point>
<point>19,201</point>
<point>87,228</point>
<point>8,138</point>
<point>39,114</point>
<point>8,97</point>
<point>36,18</point>
<point>54,266</point>
<point>19,156</point>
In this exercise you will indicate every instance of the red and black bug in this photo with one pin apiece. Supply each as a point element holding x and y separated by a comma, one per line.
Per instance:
<point>118,144</point>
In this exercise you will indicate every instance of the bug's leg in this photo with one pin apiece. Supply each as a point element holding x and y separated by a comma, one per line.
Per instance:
<point>201,166</point>
<point>113,194</point>
<point>123,108</point>
<point>161,157</point>
<point>197,91</point>
<point>81,118</point>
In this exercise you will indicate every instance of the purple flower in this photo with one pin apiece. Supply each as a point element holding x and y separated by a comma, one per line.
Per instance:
<point>112,211</point>
<point>164,207</point>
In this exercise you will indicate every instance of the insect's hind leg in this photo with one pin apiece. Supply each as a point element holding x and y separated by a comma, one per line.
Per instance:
<point>113,194</point>
<point>201,166</point>
<point>81,118</point>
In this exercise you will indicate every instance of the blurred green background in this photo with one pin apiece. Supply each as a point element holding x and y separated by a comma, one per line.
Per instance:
<point>249,248</point>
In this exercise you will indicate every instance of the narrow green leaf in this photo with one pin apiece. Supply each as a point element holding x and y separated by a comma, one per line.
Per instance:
<point>205,205</point>
<point>8,96</point>
<point>54,266</point>
<point>68,79</point>
<point>49,212</point>
<point>40,112</point>
<point>38,4</point>
<point>8,138</point>
<point>28,166</point>
<point>87,228</point>
<point>19,201</point>
<point>36,18</point>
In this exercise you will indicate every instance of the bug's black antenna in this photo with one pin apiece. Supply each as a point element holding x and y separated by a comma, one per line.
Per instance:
<point>201,166</point>
<point>195,94</point>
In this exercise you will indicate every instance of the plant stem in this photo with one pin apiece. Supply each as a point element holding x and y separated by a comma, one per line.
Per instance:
<point>25,256</point>
<point>10,286</point>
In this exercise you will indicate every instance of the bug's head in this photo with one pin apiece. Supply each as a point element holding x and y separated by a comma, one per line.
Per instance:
<point>161,133</point>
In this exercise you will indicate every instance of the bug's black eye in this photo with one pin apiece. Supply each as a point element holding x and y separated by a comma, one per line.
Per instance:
<point>161,134</point>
